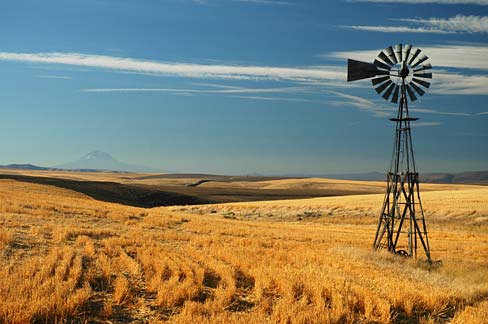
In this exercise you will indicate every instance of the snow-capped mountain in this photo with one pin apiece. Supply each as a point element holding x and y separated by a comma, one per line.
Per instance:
<point>98,160</point>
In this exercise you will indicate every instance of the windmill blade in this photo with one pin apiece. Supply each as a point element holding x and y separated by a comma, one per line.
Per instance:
<point>398,52</point>
<point>423,67</point>
<point>417,52</point>
<point>391,54</point>
<point>421,82</point>
<point>421,59</point>
<point>385,59</point>
<point>382,72</point>
<point>418,89</point>
<point>395,94</point>
<point>357,70</point>
<point>382,87</point>
<point>410,93</point>
<point>381,65</point>
<point>378,80</point>
<point>408,48</point>
<point>423,75</point>
<point>388,92</point>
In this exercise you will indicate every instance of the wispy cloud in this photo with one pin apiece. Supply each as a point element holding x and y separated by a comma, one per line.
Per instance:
<point>476,2</point>
<point>452,56</point>
<point>55,77</point>
<point>397,29</point>
<point>222,89</point>
<point>437,112</point>
<point>258,2</point>
<point>225,90</point>
<point>361,104</point>
<point>457,24</point>
<point>266,2</point>
<point>450,83</point>
<point>425,124</point>
<point>188,70</point>
<point>272,98</point>
<point>229,91</point>
<point>381,110</point>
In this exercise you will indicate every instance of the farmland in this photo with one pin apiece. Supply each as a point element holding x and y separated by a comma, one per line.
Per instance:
<point>67,257</point>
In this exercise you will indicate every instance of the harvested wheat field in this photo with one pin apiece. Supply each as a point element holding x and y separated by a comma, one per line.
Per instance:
<point>67,258</point>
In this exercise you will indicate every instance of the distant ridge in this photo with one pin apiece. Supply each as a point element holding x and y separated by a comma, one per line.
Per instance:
<point>32,167</point>
<point>22,167</point>
<point>366,176</point>
<point>469,177</point>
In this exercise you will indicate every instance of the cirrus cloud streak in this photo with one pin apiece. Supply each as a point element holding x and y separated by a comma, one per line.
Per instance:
<point>188,70</point>
<point>434,25</point>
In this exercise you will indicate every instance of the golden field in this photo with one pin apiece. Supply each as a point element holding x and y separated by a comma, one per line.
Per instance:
<point>67,258</point>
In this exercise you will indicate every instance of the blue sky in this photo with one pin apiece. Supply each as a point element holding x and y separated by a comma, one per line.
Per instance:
<point>239,86</point>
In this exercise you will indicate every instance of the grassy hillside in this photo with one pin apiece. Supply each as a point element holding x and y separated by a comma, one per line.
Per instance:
<point>147,191</point>
<point>65,257</point>
<point>463,206</point>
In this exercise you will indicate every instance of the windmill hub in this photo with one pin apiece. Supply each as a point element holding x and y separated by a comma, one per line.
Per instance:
<point>397,71</point>
<point>404,71</point>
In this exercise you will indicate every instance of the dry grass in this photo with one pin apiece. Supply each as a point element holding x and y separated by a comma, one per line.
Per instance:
<point>467,208</point>
<point>68,258</point>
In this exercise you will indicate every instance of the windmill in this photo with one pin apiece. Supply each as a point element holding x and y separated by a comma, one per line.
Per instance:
<point>397,71</point>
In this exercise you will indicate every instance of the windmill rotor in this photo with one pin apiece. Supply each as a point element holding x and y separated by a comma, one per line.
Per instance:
<point>395,68</point>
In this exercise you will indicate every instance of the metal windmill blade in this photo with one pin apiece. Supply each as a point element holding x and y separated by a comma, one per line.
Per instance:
<point>379,80</point>
<point>383,86</point>
<point>381,65</point>
<point>417,52</point>
<point>410,93</point>
<point>398,52</point>
<point>407,48</point>
<point>421,59</point>
<point>385,59</point>
<point>423,67</point>
<point>388,92</point>
<point>423,75</point>
<point>417,89</point>
<point>394,99</point>
<point>421,82</point>
<point>389,51</point>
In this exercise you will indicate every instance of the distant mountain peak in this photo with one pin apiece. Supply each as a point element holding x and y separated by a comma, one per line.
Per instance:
<point>97,155</point>
<point>99,160</point>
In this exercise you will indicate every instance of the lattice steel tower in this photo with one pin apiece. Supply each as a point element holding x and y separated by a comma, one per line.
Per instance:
<point>396,72</point>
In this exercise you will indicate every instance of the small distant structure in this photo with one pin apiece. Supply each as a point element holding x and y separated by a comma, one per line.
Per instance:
<point>397,71</point>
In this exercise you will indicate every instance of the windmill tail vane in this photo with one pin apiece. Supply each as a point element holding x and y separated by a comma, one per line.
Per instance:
<point>399,73</point>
